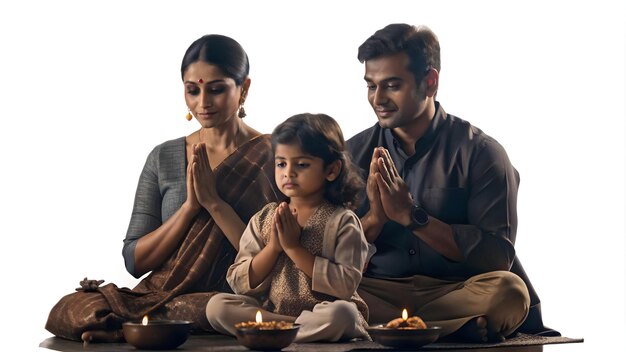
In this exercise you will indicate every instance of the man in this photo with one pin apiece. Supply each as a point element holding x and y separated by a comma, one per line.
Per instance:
<point>441,207</point>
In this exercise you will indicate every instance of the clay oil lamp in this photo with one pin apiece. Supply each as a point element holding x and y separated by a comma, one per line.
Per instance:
<point>266,336</point>
<point>156,334</point>
<point>404,332</point>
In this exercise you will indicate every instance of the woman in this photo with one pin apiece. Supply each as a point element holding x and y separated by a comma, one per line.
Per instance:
<point>193,193</point>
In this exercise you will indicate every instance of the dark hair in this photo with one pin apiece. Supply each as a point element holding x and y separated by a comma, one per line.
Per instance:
<point>221,51</point>
<point>320,135</point>
<point>419,43</point>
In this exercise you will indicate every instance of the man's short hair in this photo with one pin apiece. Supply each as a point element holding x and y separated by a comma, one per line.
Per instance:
<point>419,43</point>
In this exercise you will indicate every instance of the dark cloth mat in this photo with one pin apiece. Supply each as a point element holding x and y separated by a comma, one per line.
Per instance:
<point>519,340</point>
<point>225,343</point>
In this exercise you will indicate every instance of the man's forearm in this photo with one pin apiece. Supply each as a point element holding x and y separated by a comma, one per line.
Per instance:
<point>440,236</point>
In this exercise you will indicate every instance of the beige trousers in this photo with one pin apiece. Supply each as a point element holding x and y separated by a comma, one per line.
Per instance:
<point>329,321</point>
<point>500,296</point>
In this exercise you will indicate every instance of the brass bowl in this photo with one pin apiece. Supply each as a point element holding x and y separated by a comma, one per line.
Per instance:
<point>267,339</point>
<point>404,338</point>
<point>157,335</point>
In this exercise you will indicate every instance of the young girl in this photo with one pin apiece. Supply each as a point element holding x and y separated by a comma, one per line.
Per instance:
<point>301,261</point>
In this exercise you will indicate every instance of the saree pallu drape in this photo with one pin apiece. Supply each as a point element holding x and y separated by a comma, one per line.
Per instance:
<point>182,286</point>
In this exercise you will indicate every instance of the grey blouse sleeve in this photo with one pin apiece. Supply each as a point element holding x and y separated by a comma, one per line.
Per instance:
<point>146,216</point>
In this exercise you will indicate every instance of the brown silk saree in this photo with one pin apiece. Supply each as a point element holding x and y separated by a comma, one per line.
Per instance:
<point>182,286</point>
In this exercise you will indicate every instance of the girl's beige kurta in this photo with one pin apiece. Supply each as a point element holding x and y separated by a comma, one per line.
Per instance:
<point>333,234</point>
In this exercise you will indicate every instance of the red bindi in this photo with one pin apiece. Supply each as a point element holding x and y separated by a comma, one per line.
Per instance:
<point>200,80</point>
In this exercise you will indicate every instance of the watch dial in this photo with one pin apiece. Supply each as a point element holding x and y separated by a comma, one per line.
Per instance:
<point>420,216</point>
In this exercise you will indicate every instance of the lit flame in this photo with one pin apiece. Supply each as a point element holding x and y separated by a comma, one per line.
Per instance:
<point>144,321</point>
<point>405,314</point>
<point>259,318</point>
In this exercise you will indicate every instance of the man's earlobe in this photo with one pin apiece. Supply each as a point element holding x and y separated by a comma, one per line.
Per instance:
<point>432,79</point>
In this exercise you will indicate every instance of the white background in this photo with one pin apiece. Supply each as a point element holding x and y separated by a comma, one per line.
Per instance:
<point>87,89</point>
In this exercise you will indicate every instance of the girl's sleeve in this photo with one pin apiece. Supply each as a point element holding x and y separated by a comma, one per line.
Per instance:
<point>249,246</point>
<point>339,273</point>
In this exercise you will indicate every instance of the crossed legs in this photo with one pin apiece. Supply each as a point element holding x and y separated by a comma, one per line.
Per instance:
<point>328,321</point>
<point>485,306</point>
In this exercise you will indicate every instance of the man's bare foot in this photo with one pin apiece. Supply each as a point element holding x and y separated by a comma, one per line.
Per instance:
<point>475,330</point>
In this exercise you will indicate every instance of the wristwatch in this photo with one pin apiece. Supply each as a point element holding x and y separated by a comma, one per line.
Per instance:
<point>419,217</point>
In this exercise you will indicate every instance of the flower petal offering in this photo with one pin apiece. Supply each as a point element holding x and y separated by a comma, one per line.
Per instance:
<point>413,322</point>
<point>265,325</point>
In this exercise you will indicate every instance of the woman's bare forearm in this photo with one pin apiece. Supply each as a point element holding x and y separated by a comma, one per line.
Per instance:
<point>157,246</point>
<point>225,217</point>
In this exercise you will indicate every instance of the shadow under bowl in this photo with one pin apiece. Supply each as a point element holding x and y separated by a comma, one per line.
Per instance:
<point>406,338</point>
<point>157,335</point>
<point>267,340</point>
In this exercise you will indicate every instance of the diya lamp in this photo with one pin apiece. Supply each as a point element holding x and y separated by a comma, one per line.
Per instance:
<point>156,334</point>
<point>404,332</point>
<point>266,336</point>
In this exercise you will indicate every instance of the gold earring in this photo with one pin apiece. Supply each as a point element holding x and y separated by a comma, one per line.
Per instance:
<point>242,112</point>
<point>189,116</point>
